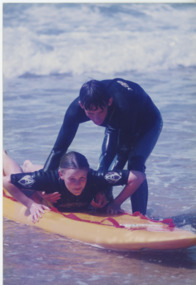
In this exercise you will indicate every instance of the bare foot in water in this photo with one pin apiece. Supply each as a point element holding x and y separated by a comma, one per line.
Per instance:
<point>28,166</point>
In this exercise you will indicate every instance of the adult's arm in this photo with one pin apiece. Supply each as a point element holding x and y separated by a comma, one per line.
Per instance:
<point>73,117</point>
<point>109,147</point>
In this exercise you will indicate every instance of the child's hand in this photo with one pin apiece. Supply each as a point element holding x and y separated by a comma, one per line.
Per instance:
<point>36,211</point>
<point>53,197</point>
<point>114,209</point>
<point>100,201</point>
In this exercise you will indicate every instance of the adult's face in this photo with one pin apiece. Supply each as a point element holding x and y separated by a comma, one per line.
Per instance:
<point>97,115</point>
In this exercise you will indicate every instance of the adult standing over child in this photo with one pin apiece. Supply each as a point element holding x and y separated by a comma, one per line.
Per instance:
<point>132,126</point>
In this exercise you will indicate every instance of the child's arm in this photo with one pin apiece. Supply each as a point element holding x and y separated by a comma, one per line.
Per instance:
<point>52,198</point>
<point>35,209</point>
<point>132,179</point>
<point>135,179</point>
<point>99,201</point>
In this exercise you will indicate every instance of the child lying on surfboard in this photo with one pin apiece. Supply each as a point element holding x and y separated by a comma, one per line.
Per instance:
<point>72,187</point>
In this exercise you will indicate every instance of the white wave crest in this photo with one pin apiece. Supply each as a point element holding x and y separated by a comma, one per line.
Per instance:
<point>46,39</point>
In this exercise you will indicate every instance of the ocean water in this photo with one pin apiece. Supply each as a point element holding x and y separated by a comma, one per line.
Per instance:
<point>49,50</point>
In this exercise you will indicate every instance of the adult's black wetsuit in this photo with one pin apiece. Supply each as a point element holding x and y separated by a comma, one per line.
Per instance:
<point>132,127</point>
<point>50,182</point>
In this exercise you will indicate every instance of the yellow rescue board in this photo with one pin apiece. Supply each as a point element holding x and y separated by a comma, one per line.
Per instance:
<point>119,232</point>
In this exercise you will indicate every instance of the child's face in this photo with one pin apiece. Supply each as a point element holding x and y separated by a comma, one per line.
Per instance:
<point>74,179</point>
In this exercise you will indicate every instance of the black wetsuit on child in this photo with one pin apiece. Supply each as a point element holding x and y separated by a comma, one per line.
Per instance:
<point>50,182</point>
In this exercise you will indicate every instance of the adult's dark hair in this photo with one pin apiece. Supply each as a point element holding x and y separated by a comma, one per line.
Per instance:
<point>93,95</point>
<point>73,160</point>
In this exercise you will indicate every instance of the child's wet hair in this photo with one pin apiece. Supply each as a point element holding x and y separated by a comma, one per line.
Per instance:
<point>73,160</point>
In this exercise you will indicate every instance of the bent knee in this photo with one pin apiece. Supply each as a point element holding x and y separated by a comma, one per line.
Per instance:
<point>141,177</point>
<point>138,176</point>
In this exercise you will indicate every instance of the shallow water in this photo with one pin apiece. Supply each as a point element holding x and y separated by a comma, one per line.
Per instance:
<point>50,258</point>
<point>41,78</point>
